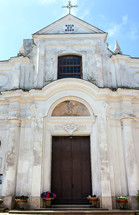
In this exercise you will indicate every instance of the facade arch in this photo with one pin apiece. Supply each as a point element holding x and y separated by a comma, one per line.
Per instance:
<point>70,98</point>
<point>70,89</point>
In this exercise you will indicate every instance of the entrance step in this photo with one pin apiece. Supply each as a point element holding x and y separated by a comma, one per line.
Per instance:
<point>73,207</point>
<point>52,211</point>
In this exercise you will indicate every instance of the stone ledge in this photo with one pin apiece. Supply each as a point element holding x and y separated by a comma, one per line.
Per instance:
<point>73,212</point>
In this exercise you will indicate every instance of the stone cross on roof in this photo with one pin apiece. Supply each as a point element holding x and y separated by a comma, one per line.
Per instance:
<point>69,6</point>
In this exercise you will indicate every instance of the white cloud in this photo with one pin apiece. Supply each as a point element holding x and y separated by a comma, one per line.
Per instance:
<point>46,1</point>
<point>85,14</point>
<point>64,2</point>
<point>116,29</point>
<point>113,30</point>
<point>125,20</point>
<point>133,33</point>
<point>125,28</point>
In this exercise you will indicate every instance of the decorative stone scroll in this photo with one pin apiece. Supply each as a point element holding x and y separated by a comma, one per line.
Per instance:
<point>70,128</point>
<point>70,108</point>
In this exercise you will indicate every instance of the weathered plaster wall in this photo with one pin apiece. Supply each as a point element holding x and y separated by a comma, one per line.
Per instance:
<point>116,159</point>
<point>26,138</point>
<point>3,148</point>
<point>111,119</point>
<point>136,138</point>
<point>40,66</point>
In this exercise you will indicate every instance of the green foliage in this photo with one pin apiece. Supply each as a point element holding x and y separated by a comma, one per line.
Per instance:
<point>21,197</point>
<point>122,197</point>
<point>92,79</point>
<point>137,197</point>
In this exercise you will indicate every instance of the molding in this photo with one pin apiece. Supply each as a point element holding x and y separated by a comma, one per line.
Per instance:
<point>14,60</point>
<point>63,120</point>
<point>62,85</point>
<point>65,20</point>
<point>101,36</point>
<point>134,62</point>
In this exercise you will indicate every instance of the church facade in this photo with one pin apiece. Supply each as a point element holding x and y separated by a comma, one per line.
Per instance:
<point>69,118</point>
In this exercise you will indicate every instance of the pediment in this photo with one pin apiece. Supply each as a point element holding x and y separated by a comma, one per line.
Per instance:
<point>69,24</point>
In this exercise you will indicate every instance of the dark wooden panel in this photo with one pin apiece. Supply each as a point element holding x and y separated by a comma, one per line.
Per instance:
<point>56,166</point>
<point>71,175</point>
<point>76,169</point>
<point>86,167</point>
<point>66,168</point>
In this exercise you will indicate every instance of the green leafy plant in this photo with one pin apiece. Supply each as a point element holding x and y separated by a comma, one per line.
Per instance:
<point>21,197</point>
<point>122,198</point>
<point>92,195</point>
<point>137,197</point>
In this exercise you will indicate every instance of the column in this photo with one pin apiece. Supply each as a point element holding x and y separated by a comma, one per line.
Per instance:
<point>130,159</point>
<point>104,163</point>
<point>9,184</point>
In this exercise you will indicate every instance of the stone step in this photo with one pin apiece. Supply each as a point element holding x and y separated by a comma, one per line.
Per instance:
<point>71,206</point>
<point>74,212</point>
<point>75,207</point>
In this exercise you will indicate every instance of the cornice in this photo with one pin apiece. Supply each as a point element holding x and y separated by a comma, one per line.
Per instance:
<point>12,61</point>
<point>101,36</point>
<point>21,59</point>
<point>134,62</point>
<point>67,84</point>
<point>120,57</point>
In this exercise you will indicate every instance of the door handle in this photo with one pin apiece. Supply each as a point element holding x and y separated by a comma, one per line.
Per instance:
<point>72,185</point>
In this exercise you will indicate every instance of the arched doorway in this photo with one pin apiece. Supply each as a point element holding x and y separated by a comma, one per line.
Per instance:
<point>71,167</point>
<point>68,116</point>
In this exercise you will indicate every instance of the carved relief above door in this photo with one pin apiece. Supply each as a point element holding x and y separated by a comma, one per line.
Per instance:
<point>70,108</point>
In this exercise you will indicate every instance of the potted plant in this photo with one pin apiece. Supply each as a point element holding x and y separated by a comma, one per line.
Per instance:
<point>122,200</point>
<point>1,201</point>
<point>137,197</point>
<point>21,199</point>
<point>93,200</point>
<point>48,197</point>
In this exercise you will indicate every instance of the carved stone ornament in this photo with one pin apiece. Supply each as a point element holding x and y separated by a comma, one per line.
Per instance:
<point>70,128</point>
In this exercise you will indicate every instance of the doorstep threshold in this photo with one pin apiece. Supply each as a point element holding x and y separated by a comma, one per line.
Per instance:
<point>50,211</point>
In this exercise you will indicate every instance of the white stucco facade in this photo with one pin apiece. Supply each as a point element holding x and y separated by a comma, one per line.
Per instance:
<point>29,93</point>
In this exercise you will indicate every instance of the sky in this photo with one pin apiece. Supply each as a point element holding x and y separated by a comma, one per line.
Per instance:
<point>19,19</point>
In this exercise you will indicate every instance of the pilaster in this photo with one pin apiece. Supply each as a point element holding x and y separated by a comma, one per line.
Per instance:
<point>94,161</point>
<point>130,159</point>
<point>104,163</point>
<point>40,65</point>
<point>37,126</point>
<point>9,185</point>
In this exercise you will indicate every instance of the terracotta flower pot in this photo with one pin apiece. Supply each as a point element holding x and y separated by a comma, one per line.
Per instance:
<point>122,203</point>
<point>21,201</point>
<point>121,200</point>
<point>48,201</point>
<point>93,200</point>
<point>1,201</point>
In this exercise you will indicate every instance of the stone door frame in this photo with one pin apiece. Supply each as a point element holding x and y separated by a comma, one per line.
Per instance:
<point>64,126</point>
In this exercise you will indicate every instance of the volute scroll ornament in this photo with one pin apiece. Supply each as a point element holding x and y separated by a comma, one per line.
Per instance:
<point>70,128</point>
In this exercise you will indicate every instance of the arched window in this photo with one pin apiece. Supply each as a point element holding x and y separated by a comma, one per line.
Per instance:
<point>69,66</point>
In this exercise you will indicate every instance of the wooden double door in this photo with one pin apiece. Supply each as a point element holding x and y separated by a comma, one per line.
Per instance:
<point>71,171</point>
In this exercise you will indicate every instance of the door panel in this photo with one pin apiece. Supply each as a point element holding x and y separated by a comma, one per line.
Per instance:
<point>66,168</point>
<point>71,175</point>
